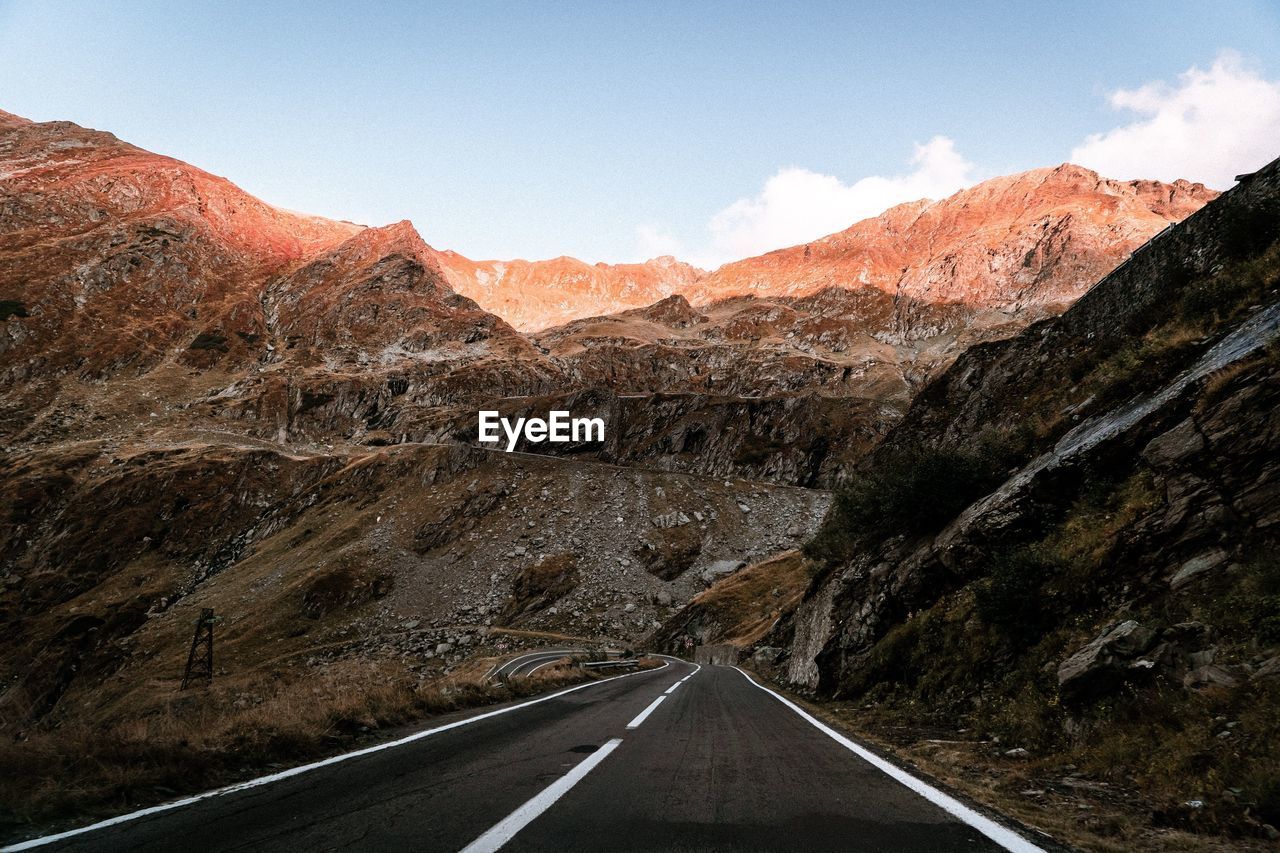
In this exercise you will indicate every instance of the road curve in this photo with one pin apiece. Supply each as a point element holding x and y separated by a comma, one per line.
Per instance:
<point>678,758</point>
<point>526,663</point>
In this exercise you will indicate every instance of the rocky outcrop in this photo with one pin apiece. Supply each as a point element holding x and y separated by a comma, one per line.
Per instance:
<point>1103,663</point>
<point>117,255</point>
<point>802,440</point>
<point>1205,445</point>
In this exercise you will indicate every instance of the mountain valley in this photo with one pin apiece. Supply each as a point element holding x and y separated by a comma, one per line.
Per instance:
<point>922,470</point>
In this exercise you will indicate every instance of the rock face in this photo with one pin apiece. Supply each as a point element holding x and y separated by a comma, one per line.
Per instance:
<point>1101,664</point>
<point>108,549</point>
<point>117,255</point>
<point>118,264</point>
<point>1164,377</point>
<point>205,308</point>
<point>876,311</point>
<point>1068,546</point>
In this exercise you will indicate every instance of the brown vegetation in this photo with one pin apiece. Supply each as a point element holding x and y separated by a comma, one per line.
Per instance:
<point>196,740</point>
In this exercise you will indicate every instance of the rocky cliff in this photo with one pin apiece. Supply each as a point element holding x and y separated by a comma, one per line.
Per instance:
<point>1070,539</point>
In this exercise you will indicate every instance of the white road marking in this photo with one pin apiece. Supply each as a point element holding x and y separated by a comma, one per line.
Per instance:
<point>545,663</point>
<point>1002,835</point>
<point>643,715</point>
<point>520,661</point>
<point>672,688</point>
<point>506,829</point>
<point>295,771</point>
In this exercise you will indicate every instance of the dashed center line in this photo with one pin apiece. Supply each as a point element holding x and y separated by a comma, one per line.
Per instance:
<point>506,829</point>
<point>643,715</point>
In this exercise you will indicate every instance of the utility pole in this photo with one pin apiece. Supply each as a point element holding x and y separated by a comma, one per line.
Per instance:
<point>200,661</point>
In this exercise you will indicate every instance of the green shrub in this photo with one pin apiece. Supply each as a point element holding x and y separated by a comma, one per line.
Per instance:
<point>911,493</point>
<point>1009,599</point>
<point>1252,608</point>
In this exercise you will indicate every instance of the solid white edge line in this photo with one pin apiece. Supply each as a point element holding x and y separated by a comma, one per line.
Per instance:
<point>696,666</point>
<point>506,829</point>
<point>1000,834</point>
<point>524,660</point>
<point>643,715</point>
<point>295,771</point>
<point>520,659</point>
<point>530,673</point>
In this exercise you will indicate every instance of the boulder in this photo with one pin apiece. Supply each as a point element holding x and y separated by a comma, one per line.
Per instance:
<point>1102,664</point>
<point>1269,669</point>
<point>1179,443</point>
<point>1205,677</point>
<point>720,568</point>
<point>767,654</point>
<point>1197,566</point>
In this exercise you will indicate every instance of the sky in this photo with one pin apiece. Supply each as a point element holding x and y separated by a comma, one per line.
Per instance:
<point>618,131</point>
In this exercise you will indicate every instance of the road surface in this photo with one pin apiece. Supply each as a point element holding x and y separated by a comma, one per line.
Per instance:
<point>678,758</point>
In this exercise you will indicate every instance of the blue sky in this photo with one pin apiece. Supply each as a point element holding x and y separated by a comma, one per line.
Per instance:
<point>615,131</point>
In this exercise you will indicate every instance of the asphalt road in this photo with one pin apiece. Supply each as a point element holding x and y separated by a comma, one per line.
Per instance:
<point>672,759</point>
<point>526,664</point>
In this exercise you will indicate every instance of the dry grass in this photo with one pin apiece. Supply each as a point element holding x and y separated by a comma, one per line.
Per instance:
<point>540,585</point>
<point>201,739</point>
<point>1059,794</point>
<point>747,604</point>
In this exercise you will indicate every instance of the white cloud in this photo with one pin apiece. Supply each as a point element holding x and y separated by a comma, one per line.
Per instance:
<point>655,241</point>
<point>1208,127</point>
<point>798,205</point>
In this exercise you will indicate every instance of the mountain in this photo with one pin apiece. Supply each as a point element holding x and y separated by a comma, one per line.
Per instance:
<point>115,254</point>
<point>533,295</point>
<point>1032,240</point>
<point>134,281</point>
<point>206,308</point>
<point>1061,564</point>
<point>868,315</point>
<point>1026,242</point>
<point>210,402</point>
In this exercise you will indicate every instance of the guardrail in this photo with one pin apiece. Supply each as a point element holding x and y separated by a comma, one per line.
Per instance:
<point>627,663</point>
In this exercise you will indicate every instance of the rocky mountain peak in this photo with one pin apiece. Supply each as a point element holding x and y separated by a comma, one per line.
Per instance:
<point>1034,239</point>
